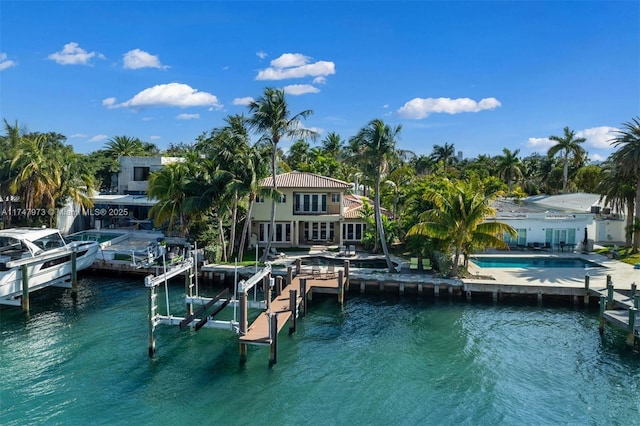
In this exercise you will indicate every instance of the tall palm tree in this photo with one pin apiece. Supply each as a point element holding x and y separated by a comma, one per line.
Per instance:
<point>569,146</point>
<point>509,166</point>
<point>459,219</point>
<point>272,118</point>
<point>627,157</point>
<point>375,145</point>
<point>445,154</point>
<point>169,186</point>
<point>227,147</point>
<point>256,170</point>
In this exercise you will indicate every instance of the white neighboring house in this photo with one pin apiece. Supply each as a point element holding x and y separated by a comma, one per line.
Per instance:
<point>560,220</point>
<point>133,177</point>
<point>128,207</point>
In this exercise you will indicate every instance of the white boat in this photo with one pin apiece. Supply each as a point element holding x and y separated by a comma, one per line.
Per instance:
<point>45,255</point>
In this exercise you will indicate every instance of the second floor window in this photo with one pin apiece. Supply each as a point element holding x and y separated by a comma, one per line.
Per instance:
<point>140,174</point>
<point>310,203</point>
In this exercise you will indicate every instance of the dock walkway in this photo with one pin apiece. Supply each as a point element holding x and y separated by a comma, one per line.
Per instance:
<point>258,332</point>
<point>619,310</point>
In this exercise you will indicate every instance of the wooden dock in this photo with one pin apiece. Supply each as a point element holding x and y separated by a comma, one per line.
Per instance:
<point>620,310</point>
<point>259,332</point>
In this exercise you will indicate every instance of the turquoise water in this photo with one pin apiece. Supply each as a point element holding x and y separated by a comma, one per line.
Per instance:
<point>533,262</point>
<point>377,361</point>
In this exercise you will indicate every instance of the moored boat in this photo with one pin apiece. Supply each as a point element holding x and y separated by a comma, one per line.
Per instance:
<point>44,254</point>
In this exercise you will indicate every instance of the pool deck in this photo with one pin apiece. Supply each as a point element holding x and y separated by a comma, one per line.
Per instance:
<point>622,274</point>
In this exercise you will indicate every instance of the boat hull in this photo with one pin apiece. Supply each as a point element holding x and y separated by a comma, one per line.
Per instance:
<point>49,270</point>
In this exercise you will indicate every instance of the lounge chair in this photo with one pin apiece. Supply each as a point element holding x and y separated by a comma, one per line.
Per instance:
<point>315,269</point>
<point>274,253</point>
<point>331,271</point>
<point>426,264</point>
<point>413,265</point>
<point>352,251</point>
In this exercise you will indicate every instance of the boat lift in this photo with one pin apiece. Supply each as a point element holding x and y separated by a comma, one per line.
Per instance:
<point>69,280</point>
<point>209,307</point>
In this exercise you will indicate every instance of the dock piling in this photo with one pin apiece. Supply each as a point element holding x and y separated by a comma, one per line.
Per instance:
<point>74,272</point>
<point>303,294</point>
<point>25,289</point>
<point>273,347</point>
<point>151,315</point>
<point>603,303</point>
<point>586,289</point>
<point>634,289</point>
<point>293,307</point>
<point>346,266</point>
<point>631,338</point>
<point>243,324</point>
<point>340,288</point>
<point>289,275</point>
<point>609,292</point>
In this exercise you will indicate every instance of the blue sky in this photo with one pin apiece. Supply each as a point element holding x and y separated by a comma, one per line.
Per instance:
<point>480,75</point>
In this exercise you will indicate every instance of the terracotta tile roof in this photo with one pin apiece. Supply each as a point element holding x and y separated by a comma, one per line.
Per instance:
<point>353,205</point>
<point>297,179</point>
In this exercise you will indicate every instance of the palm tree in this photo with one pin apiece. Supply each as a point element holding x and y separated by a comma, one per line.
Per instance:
<point>618,191</point>
<point>375,145</point>
<point>227,148</point>
<point>332,145</point>
<point>444,154</point>
<point>169,186</point>
<point>271,117</point>
<point>509,166</point>
<point>568,145</point>
<point>37,170</point>
<point>627,157</point>
<point>125,146</point>
<point>256,170</point>
<point>459,219</point>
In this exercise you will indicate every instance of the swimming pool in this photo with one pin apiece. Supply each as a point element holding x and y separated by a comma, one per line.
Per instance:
<point>533,262</point>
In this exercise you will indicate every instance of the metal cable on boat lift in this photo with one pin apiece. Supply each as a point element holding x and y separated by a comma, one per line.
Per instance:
<point>235,292</point>
<point>195,266</point>
<point>166,285</point>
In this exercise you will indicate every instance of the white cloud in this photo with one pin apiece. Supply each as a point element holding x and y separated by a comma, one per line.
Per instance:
<point>598,137</point>
<point>172,94</point>
<point>597,157</point>
<point>261,54</point>
<point>154,137</point>
<point>540,144</point>
<point>300,89</point>
<point>295,65</point>
<point>147,118</point>
<point>136,59</point>
<point>79,135</point>
<point>5,63</point>
<point>418,108</point>
<point>243,101</point>
<point>99,138</point>
<point>287,60</point>
<point>188,116</point>
<point>385,106</point>
<point>320,80</point>
<point>73,54</point>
